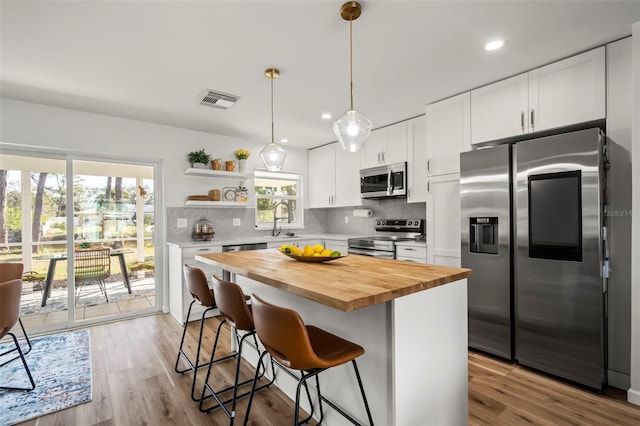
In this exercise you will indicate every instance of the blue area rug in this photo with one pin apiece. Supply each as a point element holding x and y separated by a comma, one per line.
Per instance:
<point>61,367</point>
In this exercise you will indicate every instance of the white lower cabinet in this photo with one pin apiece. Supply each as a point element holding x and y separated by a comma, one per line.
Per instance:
<point>179,296</point>
<point>443,220</point>
<point>411,252</point>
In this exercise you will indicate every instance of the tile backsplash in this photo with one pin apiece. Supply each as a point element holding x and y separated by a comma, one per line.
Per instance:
<point>317,221</point>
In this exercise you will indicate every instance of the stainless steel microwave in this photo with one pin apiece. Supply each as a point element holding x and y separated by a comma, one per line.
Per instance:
<point>386,181</point>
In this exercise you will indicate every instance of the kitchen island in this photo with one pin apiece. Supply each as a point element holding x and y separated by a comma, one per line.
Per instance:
<point>410,318</point>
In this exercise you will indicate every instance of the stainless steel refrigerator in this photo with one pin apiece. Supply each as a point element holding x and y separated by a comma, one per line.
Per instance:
<point>533,232</point>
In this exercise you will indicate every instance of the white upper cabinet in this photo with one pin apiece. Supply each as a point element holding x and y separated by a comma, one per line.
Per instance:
<point>566,92</point>
<point>500,110</point>
<point>417,160</point>
<point>321,176</point>
<point>448,134</point>
<point>347,178</point>
<point>334,177</point>
<point>387,145</point>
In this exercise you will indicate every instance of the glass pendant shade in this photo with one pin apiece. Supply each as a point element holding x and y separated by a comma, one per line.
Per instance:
<point>273,157</point>
<point>352,130</point>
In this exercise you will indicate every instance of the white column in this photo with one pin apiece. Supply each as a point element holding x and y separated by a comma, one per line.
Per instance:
<point>633,395</point>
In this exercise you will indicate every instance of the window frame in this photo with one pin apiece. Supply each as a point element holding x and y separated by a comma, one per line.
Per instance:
<point>298,198</point>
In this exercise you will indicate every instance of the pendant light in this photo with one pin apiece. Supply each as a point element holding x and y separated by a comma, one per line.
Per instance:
<point>272,155</point>
<point>353,128</point>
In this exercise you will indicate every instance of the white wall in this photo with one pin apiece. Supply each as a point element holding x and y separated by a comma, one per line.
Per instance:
<point>633,395</point>
<point>30,124</point>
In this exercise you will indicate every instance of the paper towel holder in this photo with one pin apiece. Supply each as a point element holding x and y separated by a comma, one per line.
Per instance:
<point>362,212</point>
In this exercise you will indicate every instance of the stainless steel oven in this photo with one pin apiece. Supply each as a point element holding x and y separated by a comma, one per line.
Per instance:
<point>388,232</point>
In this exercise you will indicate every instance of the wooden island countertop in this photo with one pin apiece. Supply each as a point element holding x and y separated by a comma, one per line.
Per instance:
<point>347,284</point>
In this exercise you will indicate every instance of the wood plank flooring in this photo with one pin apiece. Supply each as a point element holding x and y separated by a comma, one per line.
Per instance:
<point>135,384</point>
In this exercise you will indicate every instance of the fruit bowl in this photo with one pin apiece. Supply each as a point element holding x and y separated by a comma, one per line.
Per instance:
<point>316,259</point>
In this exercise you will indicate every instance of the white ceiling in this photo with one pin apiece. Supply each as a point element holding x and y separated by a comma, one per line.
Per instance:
<point>149,60</point>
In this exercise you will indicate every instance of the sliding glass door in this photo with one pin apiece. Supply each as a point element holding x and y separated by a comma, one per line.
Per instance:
<point>84,230</point>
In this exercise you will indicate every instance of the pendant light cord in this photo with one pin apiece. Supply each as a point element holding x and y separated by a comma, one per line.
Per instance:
<point>272,125</point>
<point>351,58</point>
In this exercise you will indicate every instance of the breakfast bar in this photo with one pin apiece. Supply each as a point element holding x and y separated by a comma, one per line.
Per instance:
<point>411,319</point>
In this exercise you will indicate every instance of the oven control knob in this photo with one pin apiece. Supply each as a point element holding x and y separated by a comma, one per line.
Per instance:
<point>377,222</point>
<point>384,222</point>
<point>410,223</point>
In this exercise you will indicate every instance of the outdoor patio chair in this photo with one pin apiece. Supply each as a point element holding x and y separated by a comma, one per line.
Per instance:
<point>13,271</point>
<point>92,266</point>
<point>10,294</point>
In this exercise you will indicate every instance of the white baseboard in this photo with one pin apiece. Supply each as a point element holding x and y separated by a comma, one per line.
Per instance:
<point>633,396</point>
<point>618,380</point>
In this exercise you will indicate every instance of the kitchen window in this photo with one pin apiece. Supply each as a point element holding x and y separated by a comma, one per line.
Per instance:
<point>278,200</point>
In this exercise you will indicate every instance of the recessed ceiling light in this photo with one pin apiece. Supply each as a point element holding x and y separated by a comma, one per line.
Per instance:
<point>284,140</point>
<point>326,116</point>
<point>494,45</point>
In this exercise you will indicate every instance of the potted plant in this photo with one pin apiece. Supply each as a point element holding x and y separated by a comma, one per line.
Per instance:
<point>199,159</point>
<point>242,155</point>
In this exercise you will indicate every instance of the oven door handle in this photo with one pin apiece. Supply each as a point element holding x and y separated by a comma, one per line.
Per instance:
<point>372,253</point>
<point>390,182</point>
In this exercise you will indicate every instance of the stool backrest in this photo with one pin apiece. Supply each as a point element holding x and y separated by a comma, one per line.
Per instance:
<point>232,304</point>
<point>11,271</point>
<point>10,292</point>
<point>197,285</point>
<point>283,334</point>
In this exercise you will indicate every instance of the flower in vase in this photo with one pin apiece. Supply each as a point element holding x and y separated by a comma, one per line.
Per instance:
<point>242,154</point>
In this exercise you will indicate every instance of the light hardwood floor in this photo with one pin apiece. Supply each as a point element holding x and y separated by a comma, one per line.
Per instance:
<point>135,384</point>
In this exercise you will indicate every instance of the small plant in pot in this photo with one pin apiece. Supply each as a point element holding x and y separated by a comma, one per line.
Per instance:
<point>199,159</point>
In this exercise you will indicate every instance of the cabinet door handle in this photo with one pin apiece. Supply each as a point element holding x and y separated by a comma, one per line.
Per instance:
<point>428,187</point>
<point>522,120</point>
<point>410,192</point>
<point>378,158</point>
<point>383,159</point>
<point>428,166</point>
<point>533,119</point>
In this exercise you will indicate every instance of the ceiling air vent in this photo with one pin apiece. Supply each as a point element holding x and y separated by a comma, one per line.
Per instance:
<point>217,99</point>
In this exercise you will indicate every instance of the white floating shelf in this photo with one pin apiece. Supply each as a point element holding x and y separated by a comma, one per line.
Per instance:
<point>217,173</point>
<point>217,204</point>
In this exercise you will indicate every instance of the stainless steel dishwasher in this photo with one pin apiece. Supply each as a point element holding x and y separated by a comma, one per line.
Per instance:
<point>244,247</point>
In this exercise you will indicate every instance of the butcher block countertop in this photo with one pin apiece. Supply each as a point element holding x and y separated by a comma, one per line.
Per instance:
<point>347,284</point>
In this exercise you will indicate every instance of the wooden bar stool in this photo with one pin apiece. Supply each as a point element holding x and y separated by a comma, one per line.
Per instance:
<point>309,349</point>
<point>196,282</point>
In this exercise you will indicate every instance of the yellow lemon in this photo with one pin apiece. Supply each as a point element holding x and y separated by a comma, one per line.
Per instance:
<point>316,254</point>
<point>318,248</point>
<point>307,251</point>
<point>325,253</point>
<point>295,250</point>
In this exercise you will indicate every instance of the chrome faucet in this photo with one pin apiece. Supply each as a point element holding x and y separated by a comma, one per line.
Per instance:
<point>275,232</point>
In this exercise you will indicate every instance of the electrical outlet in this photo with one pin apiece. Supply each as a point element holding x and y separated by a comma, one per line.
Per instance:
<point>236,221</point>
<point>346,219</point>
<point>182,222</point>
